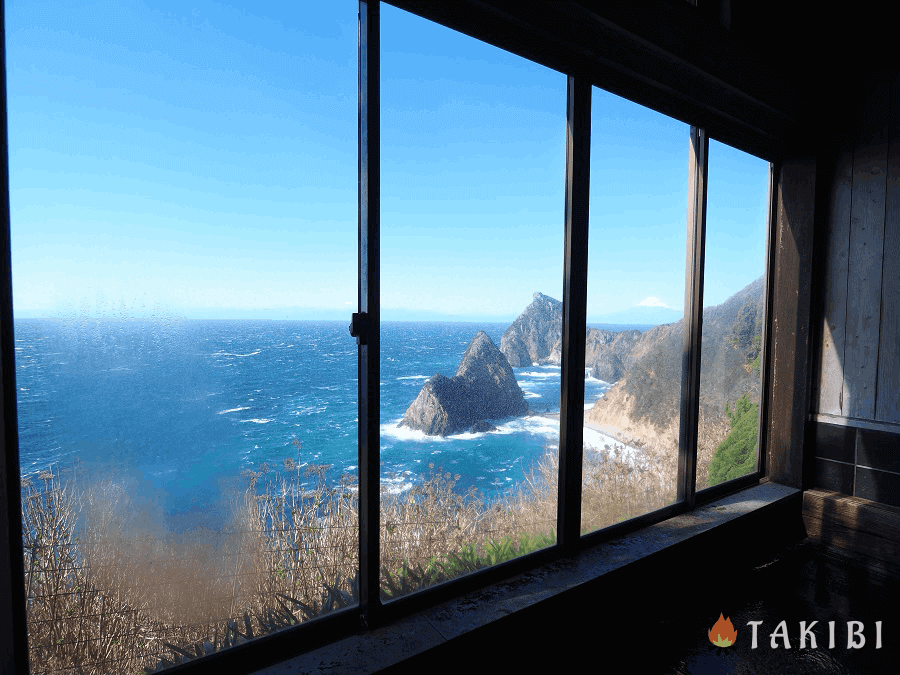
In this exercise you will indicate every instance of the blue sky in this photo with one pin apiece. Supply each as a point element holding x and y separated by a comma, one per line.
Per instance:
<point>200,160</point>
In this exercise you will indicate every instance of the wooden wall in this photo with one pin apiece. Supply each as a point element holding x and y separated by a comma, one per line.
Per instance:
<point>853,435</point>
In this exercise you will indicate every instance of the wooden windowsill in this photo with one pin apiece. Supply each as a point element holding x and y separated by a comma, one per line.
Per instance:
<point>439,625</point>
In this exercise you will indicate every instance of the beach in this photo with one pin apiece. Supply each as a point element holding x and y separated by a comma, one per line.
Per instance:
<point>596,436</point>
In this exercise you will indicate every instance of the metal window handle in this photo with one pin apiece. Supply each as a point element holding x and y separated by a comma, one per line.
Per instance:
<point>359,327</point>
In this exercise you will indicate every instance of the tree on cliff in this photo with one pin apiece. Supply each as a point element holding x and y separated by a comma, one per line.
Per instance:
<point>736,455</point>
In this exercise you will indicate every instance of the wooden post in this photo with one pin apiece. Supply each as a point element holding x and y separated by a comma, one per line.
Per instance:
<point>792,278</point>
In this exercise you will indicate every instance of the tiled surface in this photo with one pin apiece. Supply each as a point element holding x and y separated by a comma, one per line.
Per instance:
<point>879,486</point>
<point>878,450</point>
<point>831,475</point>
<point>856,461</point>
<point>835,442</point>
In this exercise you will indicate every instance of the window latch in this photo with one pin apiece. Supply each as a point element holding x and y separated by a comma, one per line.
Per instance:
<point>359,327</point>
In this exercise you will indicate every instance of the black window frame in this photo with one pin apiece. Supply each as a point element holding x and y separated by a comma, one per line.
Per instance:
<point>371,612</point>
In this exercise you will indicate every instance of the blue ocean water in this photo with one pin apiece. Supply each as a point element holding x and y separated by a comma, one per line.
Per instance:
<point>173,411</point>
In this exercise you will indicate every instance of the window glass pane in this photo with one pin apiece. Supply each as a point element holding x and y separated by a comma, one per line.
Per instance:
<point>184,205</point>
<point>733,284</point>
<point>635,335</point>
<point>473,178</point>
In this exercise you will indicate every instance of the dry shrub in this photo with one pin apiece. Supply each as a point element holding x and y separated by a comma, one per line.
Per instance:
<point>107,603</point>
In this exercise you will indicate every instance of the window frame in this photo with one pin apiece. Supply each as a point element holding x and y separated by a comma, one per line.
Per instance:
<point>371,612</point>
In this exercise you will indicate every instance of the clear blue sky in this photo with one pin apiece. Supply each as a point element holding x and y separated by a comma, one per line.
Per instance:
<point>197,160</point>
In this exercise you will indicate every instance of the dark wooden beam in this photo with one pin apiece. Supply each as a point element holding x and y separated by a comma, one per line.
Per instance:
<point>792,279</point>
<point>663,55</point>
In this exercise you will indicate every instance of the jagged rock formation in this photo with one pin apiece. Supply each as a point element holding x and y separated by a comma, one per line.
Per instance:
<point>535,335</point>
<point>644,406</point>
<point>484,388</point>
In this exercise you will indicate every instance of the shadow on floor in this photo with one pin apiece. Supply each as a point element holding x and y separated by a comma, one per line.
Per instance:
<point>805,582</point>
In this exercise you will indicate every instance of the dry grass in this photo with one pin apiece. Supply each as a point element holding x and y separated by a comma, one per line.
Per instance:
<point>104,602</point>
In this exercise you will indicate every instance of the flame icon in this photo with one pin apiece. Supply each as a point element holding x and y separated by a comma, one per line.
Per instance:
<point>722,634</point>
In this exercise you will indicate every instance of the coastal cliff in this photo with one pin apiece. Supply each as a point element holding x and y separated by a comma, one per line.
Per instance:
<point>644,406</point>
<point>535,337</point>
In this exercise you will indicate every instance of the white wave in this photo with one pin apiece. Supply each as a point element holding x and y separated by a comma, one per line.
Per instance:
<point>414,377</point>
<point>258,421</point>
<point>393,430</point>
<point>243,407</point>
<point>230,354</point>
<point>530,394</point>
<point>537,374</point>
<point>534,424</point>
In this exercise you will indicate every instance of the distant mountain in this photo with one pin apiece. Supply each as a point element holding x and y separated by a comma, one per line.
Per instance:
<point>640,315</point>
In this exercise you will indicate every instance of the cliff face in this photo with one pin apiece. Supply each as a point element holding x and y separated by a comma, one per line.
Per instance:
<point>535,334</point>
<point>484,388</point>
<point>608,354</point>
<point>536,337</point>
<point>645,405</point>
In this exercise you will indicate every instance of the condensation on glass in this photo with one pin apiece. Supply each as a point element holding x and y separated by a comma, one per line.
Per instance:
<point>184,250</point>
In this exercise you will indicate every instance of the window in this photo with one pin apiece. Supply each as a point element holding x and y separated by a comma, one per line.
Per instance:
<point>182,192</point>
<point>635,338</point>
<point>362,525</point>
<point>733,316</point>
<point>472,159</point>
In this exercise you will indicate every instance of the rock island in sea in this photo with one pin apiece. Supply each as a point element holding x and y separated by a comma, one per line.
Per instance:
<point>484,388</point>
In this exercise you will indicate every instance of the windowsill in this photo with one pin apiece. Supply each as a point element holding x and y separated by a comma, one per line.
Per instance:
<point>415,634</point>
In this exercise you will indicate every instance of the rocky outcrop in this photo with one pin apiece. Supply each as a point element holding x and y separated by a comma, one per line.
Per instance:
<point>608,354</point>
<point>534,336</point>
<point>484,388</point>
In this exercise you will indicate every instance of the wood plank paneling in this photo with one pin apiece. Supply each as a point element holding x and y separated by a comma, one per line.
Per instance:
<point>795,210</point>
<point>830,377</point>
<point>866,252</point>
<point>887,408</point>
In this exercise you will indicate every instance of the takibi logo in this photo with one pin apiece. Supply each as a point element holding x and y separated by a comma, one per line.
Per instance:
<point>722,634</point>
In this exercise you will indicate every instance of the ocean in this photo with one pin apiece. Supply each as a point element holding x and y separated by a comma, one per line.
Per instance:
<point>172,411</point>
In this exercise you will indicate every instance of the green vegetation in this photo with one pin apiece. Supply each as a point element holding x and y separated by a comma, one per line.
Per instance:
<point>746,333</point>
<point>736,455</point>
